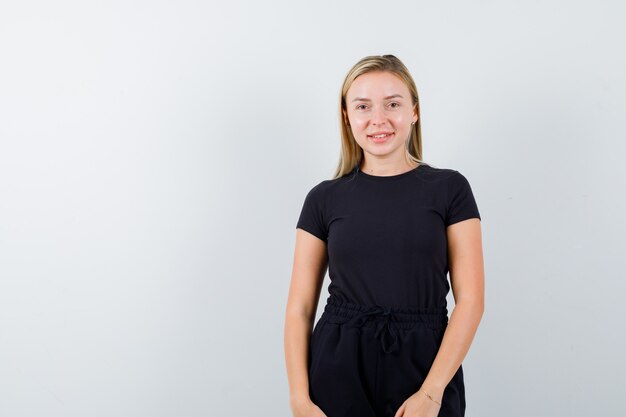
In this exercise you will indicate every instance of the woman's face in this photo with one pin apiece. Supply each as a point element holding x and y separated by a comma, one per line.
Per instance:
<point>379,103</point>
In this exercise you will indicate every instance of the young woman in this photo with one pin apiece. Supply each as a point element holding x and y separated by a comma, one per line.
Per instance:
<point>389,228</point>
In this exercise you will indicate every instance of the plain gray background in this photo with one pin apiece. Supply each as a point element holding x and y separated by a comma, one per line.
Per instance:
<point>155,155</point>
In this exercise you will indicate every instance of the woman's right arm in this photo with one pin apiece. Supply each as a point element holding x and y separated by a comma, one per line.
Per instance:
<point>309,268</point>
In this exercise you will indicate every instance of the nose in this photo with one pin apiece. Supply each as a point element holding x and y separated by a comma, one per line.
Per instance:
<point>378,116</point>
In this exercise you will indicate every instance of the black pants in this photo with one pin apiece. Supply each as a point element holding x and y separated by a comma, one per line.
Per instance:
<point>365,361</point>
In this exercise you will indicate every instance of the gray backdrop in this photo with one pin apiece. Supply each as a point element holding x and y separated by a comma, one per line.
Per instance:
<point>154,158</point>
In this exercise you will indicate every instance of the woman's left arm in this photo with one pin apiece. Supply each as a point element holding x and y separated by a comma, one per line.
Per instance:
<point>465,260</point>
<point>467,278</point>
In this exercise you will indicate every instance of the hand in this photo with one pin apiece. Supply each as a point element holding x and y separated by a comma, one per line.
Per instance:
<point>306,408</point>
<point>418,405</point>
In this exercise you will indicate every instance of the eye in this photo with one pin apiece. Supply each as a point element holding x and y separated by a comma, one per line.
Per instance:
<point>394,104</point>
<point>360,106</point>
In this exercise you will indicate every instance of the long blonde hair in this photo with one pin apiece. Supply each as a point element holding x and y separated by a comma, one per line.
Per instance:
<point>351,153</point>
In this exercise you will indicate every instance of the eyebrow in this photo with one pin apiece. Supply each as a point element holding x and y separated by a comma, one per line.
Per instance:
<point>386,98</point>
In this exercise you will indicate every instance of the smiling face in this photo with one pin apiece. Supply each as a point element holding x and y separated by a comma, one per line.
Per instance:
<point>380,111</point>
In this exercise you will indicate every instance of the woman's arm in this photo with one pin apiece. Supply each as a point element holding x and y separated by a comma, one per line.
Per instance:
<point>309,268</point>
<point>465,258</point>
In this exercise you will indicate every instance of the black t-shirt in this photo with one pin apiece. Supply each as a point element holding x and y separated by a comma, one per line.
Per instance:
<point>386,236</point>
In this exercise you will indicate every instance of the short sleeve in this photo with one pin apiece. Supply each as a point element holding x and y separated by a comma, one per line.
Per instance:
<point>461,202</point>
<point>312,214</point>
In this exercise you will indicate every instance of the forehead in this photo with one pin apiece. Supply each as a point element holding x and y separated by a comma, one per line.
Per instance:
<point>377,85</point>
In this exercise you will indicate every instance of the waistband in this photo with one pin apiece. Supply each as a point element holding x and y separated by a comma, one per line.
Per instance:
<point>387,320</point>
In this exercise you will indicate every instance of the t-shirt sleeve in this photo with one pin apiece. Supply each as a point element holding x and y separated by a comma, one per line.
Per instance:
<point>312,218</point>
<point>461,202</point>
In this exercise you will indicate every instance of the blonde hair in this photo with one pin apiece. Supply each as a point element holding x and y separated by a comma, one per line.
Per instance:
<point>351,153</point>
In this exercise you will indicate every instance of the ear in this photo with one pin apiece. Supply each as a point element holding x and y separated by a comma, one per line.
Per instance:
<point>345,118</point>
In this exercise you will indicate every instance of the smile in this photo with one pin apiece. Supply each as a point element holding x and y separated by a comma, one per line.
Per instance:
<point>380,137</point>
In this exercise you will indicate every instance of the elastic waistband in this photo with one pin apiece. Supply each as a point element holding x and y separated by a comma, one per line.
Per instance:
<point>368,314</point>
<point>388,321</point>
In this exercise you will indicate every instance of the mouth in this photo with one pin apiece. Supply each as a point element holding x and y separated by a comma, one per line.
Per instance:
<point>380,137</point>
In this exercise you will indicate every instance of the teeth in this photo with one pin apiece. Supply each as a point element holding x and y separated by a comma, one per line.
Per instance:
<point>380,136</point>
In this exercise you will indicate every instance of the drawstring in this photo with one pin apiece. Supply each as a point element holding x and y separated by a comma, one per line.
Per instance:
<point>386,325</point>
